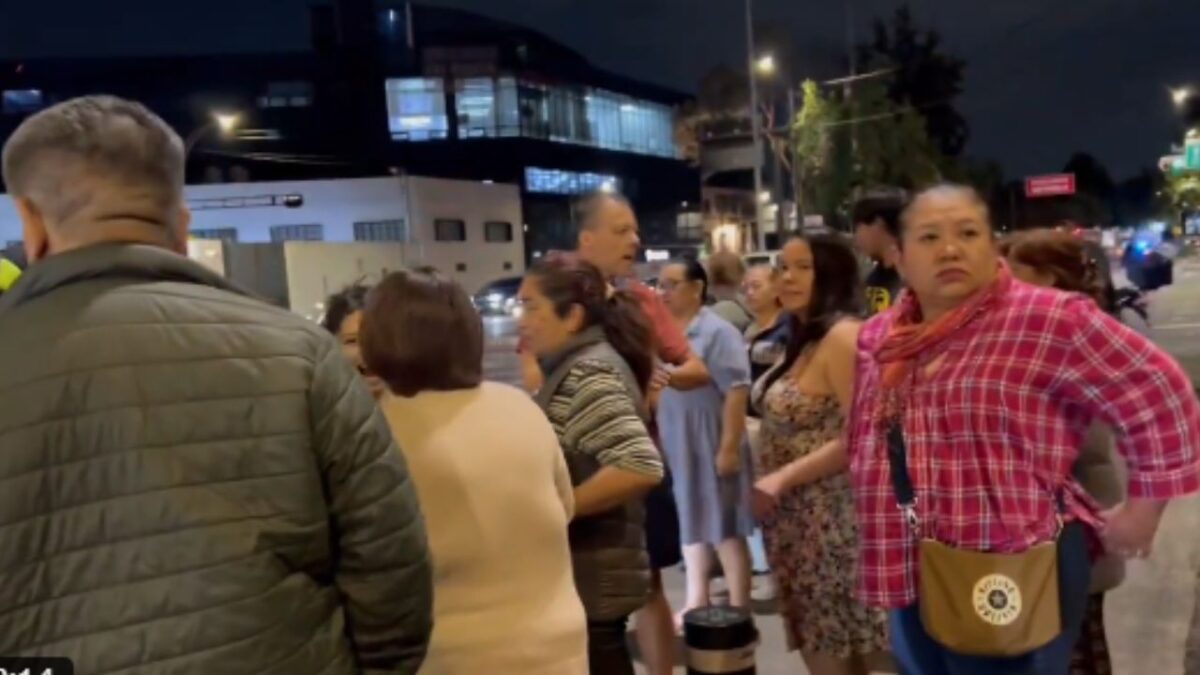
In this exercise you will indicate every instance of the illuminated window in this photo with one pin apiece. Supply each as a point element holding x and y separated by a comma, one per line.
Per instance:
<point>417,109</point>
<point>559,182</point>
<point>449,229</point>
<point>297,233</point>
<point>690,226</point>
<point>381,230</point>
<point>488,107</point>
<point>508,107</point>
<point>497,231</point>
<point>21,101</point>
<point>604,119</point>
<point>221,233</point>
<point>475,98</point>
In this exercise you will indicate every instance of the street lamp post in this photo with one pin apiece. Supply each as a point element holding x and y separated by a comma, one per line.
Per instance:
<point>765,66</point>
<point>226,123</point>
<point>1181,95</point>
<point>755,129</point>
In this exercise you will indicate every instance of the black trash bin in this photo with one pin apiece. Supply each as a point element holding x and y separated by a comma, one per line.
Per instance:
<point>720,641</point>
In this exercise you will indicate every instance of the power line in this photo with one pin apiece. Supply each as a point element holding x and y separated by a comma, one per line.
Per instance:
<point>894,113</point>
<point>277,158</point>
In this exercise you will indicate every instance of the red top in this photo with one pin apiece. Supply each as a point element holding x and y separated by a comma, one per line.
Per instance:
<point>994,427</point>
<point>673,347</point>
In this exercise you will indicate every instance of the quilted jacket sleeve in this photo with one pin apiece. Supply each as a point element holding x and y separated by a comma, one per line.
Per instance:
<point>382,567</point>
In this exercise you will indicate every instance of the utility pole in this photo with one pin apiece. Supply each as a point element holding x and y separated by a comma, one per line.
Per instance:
<point>755,129</point>
<point>852,57</point>
<point>781,216</point>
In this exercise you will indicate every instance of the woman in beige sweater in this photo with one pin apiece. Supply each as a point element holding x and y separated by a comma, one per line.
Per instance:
<point>493,486</point>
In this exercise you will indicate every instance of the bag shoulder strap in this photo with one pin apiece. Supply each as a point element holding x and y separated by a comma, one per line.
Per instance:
<point>902,485</point>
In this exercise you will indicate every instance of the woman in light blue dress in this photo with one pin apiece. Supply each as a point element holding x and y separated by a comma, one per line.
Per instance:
<point>704,440</point>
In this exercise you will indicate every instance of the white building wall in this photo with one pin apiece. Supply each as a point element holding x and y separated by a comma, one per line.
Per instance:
<point>316,270</point>
<point>334,204</point>
<point>476,261</point>
<point>254,208</point>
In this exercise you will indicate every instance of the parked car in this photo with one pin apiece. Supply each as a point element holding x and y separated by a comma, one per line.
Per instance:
<point>498,298</point>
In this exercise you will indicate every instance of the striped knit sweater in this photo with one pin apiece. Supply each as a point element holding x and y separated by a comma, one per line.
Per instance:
<point>592,414</point>
<point>598,425</point>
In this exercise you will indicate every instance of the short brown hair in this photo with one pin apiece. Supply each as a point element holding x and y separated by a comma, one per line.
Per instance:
<point>420,333</point>
<point>1063,256</point>
<point>726,269</point>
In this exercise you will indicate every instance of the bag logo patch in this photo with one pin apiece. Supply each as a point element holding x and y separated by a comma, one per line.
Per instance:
<point>997,600</point>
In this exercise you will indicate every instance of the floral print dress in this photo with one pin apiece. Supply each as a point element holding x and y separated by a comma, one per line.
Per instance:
<point>812,538</point>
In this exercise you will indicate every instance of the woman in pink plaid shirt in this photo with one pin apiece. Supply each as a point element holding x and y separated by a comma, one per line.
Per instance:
<point>994,384</point>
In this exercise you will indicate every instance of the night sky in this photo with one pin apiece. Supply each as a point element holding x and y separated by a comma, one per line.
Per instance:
<point>1044,79</point>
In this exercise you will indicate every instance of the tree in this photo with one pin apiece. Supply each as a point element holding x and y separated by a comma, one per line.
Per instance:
<point>987,177</point>
<point>1137,198</point>
<point>688,120</point>
<point>1094,190</point>
<point>812,147</point>
<point>724,90</point>
<point>1090,175</point>
<point>893,145</point>
<point>926,79</point>
<point>720,108</point>
<point>889,146</point>
<point>1181,194</point>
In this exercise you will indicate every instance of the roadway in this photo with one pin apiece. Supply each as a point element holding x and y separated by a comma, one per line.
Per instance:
<point>1148,616</point>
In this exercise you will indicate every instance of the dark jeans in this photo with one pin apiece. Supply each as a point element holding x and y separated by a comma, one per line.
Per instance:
<point>918,654</point>
<point>608,653</point>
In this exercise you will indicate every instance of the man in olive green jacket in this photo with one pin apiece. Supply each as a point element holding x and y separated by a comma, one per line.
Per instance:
<point>193,482</point>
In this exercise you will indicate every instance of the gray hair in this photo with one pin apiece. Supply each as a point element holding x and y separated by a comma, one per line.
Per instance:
<point>68,157</point>
<point>586,207</point>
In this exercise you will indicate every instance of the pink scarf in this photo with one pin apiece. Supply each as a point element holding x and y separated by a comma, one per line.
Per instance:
<point>910,336</point>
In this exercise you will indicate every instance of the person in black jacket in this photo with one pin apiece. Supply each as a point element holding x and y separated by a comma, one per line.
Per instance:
<point>876,218</point>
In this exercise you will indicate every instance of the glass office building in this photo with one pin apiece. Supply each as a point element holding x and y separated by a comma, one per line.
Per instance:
<point>419,109</point>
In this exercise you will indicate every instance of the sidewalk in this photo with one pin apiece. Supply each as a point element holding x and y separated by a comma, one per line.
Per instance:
<point>773,656</point>
<point>1147,617</point>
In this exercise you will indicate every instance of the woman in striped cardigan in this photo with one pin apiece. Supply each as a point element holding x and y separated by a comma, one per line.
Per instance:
<point>593,345</point>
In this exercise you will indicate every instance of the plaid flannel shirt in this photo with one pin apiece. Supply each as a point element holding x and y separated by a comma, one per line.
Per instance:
<point>995,422</point>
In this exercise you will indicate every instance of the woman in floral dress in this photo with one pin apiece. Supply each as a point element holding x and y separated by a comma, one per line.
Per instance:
<point>803,497</point>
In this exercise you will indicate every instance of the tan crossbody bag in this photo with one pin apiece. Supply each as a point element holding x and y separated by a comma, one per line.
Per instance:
<point>979,604</point>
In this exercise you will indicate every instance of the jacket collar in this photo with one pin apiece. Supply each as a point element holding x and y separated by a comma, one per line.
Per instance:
<point>109,261</point>
<point>588,337</point>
